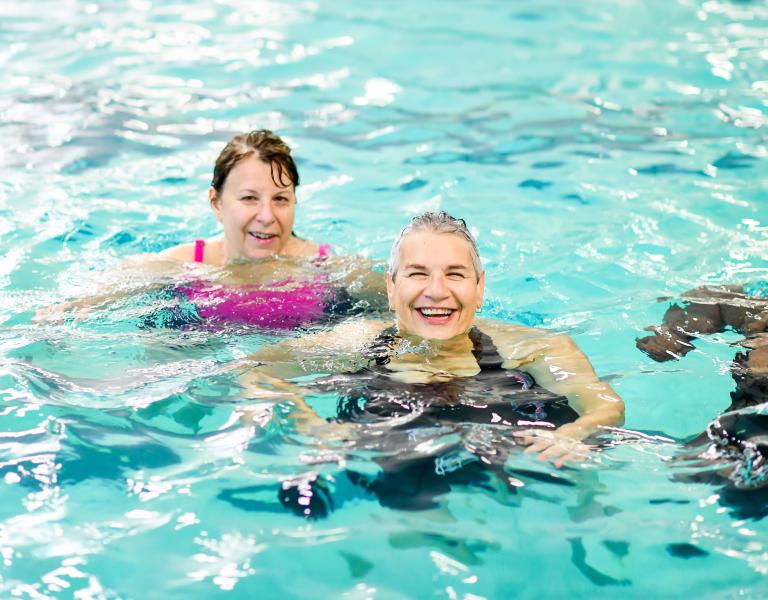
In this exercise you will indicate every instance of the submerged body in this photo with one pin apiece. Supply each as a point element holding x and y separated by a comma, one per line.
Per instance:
<point>440,432</point>
<point>737,440</point>
<point>283,304</point>
<point>277,293</point>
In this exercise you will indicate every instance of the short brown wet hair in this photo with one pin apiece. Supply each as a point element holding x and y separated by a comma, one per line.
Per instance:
<point>267,146</point>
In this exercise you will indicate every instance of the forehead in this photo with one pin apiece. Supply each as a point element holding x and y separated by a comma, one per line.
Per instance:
<point>253,172</point>
<point>428,248</point>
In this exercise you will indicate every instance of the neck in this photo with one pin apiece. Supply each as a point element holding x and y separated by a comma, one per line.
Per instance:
<point>232,258</point>
<point>434,348</point>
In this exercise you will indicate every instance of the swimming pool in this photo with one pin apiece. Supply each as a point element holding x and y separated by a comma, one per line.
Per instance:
<point>604,153</point>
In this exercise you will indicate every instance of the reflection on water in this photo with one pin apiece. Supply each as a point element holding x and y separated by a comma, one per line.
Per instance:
<point>601,159</point>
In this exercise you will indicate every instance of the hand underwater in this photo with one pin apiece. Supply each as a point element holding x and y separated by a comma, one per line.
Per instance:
<point>562,445</point>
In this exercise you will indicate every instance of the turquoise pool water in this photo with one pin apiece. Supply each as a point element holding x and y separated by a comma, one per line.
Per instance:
<point>604,153</point>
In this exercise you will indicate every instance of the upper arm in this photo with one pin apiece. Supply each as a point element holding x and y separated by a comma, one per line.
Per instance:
<point>557,364</point>
<point>561,367</point>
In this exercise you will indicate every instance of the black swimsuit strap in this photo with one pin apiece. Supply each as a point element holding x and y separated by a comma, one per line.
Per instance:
<point>484,350</point>
<point>380,349</point>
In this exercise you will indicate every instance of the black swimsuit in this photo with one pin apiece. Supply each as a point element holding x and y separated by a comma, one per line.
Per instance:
<point>493,396</point>
<point>427,436</point>
<point>423,437</point>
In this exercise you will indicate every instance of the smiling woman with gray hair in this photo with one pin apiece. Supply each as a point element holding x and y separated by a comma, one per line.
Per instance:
<point>435,368</point>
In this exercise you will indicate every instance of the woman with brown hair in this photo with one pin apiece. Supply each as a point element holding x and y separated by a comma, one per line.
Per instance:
<point>253,195</point>
<point>257,270</point>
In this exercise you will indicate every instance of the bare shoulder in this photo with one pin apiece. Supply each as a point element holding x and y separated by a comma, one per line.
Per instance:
<point>147,266</point>
<point>181,253</point>
<point>522,343</point>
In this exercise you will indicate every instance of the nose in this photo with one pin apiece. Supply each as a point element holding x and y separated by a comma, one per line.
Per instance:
<point>264,214</point>
<point>436,288</point>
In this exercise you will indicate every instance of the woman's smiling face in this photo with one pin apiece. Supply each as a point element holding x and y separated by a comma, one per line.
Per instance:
<point>436,290</point>
<point>256,212</point>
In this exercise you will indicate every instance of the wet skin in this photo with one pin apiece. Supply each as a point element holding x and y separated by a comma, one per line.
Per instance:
<point>436,291</point>
<point>257,212</point>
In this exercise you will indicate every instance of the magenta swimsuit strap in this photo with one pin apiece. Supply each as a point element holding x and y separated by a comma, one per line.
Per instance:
<point>199,250</point>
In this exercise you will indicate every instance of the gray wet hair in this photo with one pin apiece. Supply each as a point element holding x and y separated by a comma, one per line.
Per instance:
<point>435,222</point>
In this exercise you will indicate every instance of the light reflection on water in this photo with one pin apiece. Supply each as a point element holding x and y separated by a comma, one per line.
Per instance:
<point>603,158</point>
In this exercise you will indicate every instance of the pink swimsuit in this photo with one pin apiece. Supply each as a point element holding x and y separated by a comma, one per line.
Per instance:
<point>284,304</point>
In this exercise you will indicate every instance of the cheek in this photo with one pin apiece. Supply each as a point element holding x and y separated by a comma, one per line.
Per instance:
<point>407,295</point>
<point>287,218</point>
<point>228,212</point>
<point>470,295</point>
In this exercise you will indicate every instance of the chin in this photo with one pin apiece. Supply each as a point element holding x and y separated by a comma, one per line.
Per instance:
<point>447,336</point>
<point>435,333</point>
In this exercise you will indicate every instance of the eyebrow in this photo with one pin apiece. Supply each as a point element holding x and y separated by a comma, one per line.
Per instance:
<point>257,193</point>
<point>448,268</point>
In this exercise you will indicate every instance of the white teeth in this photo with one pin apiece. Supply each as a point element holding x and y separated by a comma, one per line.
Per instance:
<point>262,236</point>
<point>435,312</point>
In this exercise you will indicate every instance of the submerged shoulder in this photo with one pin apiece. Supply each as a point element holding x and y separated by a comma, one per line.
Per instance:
<point>351,335</point>
<point>299,247</point>
<point>336,350</point>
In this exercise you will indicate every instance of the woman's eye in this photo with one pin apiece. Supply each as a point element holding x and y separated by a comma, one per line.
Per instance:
<point>417,275</point>
<point>282,200</point>
<point>455,276</point>
<point>249,198</point>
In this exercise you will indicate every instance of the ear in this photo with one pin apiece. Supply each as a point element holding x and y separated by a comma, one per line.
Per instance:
<point>480,290</point>
<point>215,201</point>
<point>390,292</point>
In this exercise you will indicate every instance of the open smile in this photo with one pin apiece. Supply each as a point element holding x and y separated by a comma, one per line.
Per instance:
<point>262,238</point>
<point>435,315</point>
